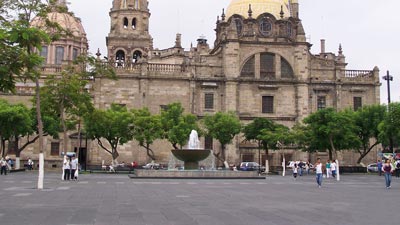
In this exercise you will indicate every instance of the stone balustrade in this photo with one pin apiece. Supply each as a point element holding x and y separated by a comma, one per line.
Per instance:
<point>359,74</point>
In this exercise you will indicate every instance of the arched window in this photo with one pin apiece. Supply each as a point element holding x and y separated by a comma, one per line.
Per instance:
<point>267,65</point>
<point>59,55</point>
<point>136,56</point>
<point>120,58</point>
<point>248,68</point>
<point>44,54</point>
<point>286,69</point>
<point>126,23</point>
<point>75,53</point>
<point>239,25</point>
<point>289,30</point>
<point>134,23</point>
<point>265,27</point>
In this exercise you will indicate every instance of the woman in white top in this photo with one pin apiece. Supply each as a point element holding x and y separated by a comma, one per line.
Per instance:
<point>67,169</point>
<point>318,170</point>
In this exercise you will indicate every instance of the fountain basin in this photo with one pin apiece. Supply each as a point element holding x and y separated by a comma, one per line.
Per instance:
<point>191,157</point>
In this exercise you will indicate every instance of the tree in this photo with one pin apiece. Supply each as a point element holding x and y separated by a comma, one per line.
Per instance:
<point>223,127</point>
<point>115,125</point>
<point>15,120</point>
<point>65,96</point>
<point>147,129</point>
<point>267,134</point>
<point>30,134</point>
<point>253,130</point>
<point>330,131</point>
<point>176,125</point>
<point>389,128</point>
<point>17,31</point>
<point>367,120</point>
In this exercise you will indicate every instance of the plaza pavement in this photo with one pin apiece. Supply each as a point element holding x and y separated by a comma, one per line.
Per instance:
<point>114,199</point>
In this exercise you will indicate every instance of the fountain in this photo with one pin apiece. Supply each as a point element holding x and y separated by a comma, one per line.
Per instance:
<point>198,164</point>
<point>193,154</point>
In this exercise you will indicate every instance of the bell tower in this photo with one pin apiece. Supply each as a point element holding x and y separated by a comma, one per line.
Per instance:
<point>129,39</point>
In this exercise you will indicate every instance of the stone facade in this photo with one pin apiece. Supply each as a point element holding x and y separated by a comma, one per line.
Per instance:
<point>260,66</point>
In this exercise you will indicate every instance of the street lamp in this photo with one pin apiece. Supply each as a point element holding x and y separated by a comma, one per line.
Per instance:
<point>389,78</point>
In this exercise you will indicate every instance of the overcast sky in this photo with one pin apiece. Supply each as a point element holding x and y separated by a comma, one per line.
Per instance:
<point>367,29</point>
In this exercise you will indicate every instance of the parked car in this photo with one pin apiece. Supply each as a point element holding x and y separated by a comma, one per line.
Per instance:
<point>373,167</point>
<point>151,166</point>
<point>250,166</point>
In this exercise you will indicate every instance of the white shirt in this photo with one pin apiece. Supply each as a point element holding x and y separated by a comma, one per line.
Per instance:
<point>74,164</point>
<point>333,166</point>
<point>66,165</point>
<point>318,168</point>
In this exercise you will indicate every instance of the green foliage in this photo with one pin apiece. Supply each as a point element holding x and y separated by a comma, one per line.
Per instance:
<point>276,137</point>
<point>147,129</point>
<point>390,126</point>
<point>268,134</point>
<point>367,120</point>
<point>253,130</point>
<point>15,120</point>
<point>66,95</point>
<point>223,127</point>
<point>114,125</point>
<point>176,125</point>
<point>330,130</point>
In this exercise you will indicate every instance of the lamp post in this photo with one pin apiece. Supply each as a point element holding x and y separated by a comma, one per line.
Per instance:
<point>389,78</point>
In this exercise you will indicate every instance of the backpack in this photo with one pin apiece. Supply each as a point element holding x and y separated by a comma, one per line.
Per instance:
<point>398,165</point>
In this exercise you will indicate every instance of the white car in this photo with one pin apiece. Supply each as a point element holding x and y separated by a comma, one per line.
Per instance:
<point>373,167</point>
<point>152,165</point>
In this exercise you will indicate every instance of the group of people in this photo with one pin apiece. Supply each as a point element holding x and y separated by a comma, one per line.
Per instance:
<point>5,164</point>
<point>330,169</point>
<point>70,168</point>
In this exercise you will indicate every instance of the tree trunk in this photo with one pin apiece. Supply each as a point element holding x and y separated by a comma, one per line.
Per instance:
<point>150,152</point>
<point>365,152</point>
<point>40,131</point>
<point>332,148</point>
<point>17,153</point>
<point>64,127</point>
<point>223,152</point>
<point>3,147</point>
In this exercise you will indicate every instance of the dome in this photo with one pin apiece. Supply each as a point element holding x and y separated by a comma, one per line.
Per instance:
<point>66,21</point>
<point>241,7</point>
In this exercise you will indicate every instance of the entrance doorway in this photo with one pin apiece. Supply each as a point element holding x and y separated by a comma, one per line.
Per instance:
<point>82,157</point>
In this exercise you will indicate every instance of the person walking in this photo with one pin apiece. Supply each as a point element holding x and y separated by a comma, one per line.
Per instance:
<point>67,169</point>
<point>333,169</point>
<point>74,168</point>
<point>388,169</point>
<point>3,165</point>
<point>318,171</point>
<point>300,168</point>
<point>397,168</point>
<point>328,168</point>
<point>30,164</point>
<point>295,169</point>
<point>379,165</point>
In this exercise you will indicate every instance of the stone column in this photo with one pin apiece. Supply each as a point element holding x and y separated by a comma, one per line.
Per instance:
<point>302,103</point>
<point>257,66</point>
<point>278,73</point>
<point>231,98</point>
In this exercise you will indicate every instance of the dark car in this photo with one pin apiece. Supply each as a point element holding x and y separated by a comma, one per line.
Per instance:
<point>250,166</point>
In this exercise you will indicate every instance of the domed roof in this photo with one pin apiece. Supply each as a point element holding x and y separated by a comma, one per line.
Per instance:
<point>66,21</point>
<point>258,7</point>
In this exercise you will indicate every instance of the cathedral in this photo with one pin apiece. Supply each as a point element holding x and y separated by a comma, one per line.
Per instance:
<point>259,65</point>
